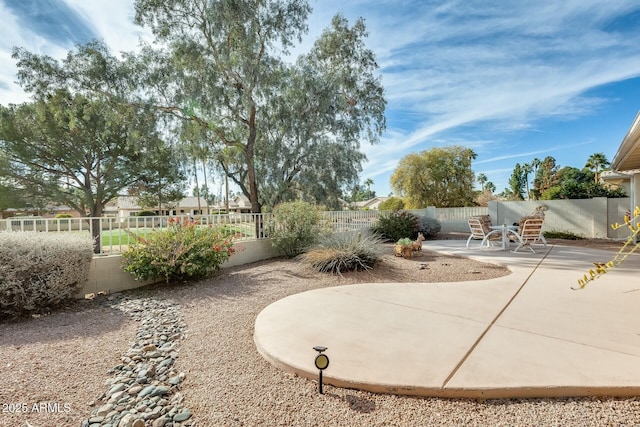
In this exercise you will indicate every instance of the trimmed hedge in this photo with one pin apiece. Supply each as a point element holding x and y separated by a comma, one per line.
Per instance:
<point>41,270</point>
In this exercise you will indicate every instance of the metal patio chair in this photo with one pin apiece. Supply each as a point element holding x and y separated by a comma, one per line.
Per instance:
<point>480,231</point>
<point>529,233</point>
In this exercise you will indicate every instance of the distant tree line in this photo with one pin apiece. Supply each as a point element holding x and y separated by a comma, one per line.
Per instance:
<point>550,181</point>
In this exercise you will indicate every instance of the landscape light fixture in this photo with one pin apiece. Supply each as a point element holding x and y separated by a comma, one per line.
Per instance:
<point>322,362</point>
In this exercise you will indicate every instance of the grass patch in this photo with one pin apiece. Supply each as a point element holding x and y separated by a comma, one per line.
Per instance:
<point>120,237</point>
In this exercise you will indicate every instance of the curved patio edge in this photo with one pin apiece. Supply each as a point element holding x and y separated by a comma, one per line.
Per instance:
<point>525,335</point>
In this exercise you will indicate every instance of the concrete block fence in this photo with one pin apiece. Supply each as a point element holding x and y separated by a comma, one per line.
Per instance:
<point>106,274</point>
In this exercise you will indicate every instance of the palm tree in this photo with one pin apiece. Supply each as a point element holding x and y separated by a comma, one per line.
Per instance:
<point>368,183</point>
<point>482,179</point>
<point>597,162</point>
<point>527,168</point>
<point>535,163</point>
<point>490,186</point>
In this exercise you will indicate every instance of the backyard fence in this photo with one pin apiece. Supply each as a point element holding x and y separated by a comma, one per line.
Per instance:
<point>588,217</point>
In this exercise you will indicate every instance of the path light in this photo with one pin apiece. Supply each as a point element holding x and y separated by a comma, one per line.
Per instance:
<point>322,362</point>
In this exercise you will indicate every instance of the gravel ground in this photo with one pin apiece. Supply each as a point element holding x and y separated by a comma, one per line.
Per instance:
<point>64,358</point>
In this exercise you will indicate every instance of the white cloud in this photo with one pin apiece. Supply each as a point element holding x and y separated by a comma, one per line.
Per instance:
<point>113,21</point>
<point>14,34</point>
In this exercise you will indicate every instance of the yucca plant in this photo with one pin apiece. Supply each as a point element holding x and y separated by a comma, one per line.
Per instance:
<point>337,253</point>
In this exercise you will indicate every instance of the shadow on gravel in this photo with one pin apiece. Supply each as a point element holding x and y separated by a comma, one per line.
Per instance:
<point>79,319</point>
<point>356,403</point>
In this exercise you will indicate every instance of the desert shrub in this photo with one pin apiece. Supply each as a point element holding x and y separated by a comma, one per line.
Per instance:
<point>428,226</point>
<point>294,226</point>
<point>340,252</point>
<point>396,225</point>
<point>183,251</point>
<point>391,204</point>
<point>41,270</point>
<point>566,235</point>
<point>146,213</point>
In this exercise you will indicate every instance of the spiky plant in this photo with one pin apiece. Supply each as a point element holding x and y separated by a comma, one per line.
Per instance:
<point>337,253</point>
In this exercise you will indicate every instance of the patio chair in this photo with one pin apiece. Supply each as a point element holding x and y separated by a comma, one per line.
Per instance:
<point>530,232</point>
<point>479,227</point>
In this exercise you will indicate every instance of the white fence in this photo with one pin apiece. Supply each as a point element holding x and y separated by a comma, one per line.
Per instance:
<point>588,217</point>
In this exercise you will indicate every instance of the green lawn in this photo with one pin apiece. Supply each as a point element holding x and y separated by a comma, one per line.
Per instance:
<point>119,237</point>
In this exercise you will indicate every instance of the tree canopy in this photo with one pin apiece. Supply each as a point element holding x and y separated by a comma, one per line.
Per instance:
<point>574,183</point>
<point>280,131</point>
<point>440,177</point>
<point>74,150</point>
<point>597,162</point>
<point>517,182</point>
<point>553,182</point>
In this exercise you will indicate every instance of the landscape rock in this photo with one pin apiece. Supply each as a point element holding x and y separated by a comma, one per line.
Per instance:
<point>143,386</point>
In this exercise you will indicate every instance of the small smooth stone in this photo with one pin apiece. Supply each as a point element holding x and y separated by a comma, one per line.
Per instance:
<point>182,416</point>
<point>147,390</point>
<point>135,389</point>
<point>150,347</point>
<point>160,391</point>
<point>104,410</point>
<point>116,396</point>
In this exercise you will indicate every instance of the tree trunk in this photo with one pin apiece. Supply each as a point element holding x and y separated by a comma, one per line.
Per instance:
<point>226,192</point>
<point>96,232</point>
<point>251,173</point>
<point>195,175</point>
<point>206,185</point>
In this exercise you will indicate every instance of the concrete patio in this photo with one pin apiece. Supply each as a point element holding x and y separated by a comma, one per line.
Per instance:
<point>527,334</point>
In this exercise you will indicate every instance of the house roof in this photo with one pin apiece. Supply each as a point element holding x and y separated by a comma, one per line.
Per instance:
<point>126,202</point>
<point>615,177</point>
<point>192,203</point>
<point>370,202</point>
<point>628,156</point>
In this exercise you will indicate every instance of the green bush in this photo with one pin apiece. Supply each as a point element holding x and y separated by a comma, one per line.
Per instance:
<point>396,225</point>
<point>41,270</point>
<point>391,204</point>
<point>183,251</point>
<point>293,227</point>
<point>337,253</point>
<point>428,226</point>
<point>64,215</point>
<point>405,241</point>
<point>146,213</point>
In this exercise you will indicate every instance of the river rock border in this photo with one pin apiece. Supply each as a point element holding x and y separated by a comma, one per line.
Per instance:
<point>144,389</point>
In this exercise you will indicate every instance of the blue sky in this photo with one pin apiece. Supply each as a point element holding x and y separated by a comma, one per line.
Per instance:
<point>511,80</point>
